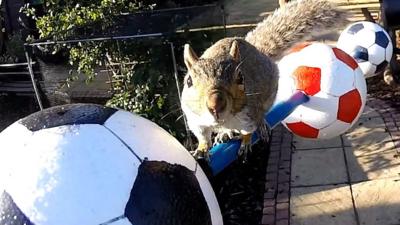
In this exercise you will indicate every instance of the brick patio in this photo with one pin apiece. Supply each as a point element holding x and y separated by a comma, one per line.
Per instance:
<point>351,179</point>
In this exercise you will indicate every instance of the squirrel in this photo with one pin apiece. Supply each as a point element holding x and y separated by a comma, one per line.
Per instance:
<point>234,83</point>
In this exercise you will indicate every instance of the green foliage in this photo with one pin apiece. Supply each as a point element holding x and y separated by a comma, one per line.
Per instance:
<point>86,56</point>
<point>145,85</point>
<point>63,16</point>
<point>137,84</point>
<point>142,71</point>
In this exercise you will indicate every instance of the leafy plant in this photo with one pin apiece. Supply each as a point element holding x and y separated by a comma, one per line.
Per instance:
<point>63,16</point>
<point>144,84</point>
<point>141,71</point>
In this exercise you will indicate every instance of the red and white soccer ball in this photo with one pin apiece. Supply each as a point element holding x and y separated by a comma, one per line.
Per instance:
<point>335,84</point>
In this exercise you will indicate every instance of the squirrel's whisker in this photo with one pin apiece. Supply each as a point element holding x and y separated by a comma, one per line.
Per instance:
<point>179,117</point>
<point>240,64</point>
<point>257,93</point>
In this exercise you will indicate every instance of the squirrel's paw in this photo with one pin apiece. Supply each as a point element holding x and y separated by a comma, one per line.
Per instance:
<point>201,152</point>
<point>245,148</point>
<point>223,137</point>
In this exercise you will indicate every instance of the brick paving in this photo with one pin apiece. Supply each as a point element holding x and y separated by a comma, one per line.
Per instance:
<point>351,179</point>
<point>277,186</point>
<point>391,117</point>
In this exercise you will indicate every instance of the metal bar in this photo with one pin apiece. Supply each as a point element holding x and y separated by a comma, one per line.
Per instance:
<point>109,75</point>
<point>223,18</point>
<point>173,9</point>
<point>179,93</point>
<point>16,73</point>
<point>16,64</point>
<point>16,89</point>
<point>96,39</point>
<point>28,60</point>
<point>43,40</point>
<point>175,69</point>
<point>17,84</point>
<point>141,35</point>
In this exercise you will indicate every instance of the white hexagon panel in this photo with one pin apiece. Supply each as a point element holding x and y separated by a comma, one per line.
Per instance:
<point>336,87</point>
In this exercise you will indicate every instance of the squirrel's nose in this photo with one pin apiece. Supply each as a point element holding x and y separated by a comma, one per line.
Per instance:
<point>216,103</point>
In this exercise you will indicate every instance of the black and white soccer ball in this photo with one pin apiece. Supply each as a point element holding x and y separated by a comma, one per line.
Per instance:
<point>85,164</point>
<point>369,44</point>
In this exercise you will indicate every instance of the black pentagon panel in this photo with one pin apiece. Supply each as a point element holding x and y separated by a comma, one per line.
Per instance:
<point>381,67</point>
<point>71,114</point>
<point>10,213</point>
<point>381,39</point>
<point>166,194</point>
<point>355,28</point>
<point>360,54</point>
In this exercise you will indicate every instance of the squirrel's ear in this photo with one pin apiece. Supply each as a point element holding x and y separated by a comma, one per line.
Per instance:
<point>234,52</point>
<point>189,56</point>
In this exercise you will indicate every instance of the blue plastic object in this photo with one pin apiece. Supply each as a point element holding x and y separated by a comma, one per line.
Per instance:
<point>283,109</point>
<point>224,154</point>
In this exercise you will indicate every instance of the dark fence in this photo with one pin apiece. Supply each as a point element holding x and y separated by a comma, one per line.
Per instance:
<point>170,25</point>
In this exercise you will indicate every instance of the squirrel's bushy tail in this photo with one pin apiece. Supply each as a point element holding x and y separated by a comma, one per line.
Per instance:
<point>293,23</point>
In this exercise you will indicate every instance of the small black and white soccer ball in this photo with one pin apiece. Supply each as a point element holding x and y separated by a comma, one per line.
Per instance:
<point>369,44</point>
<point>88,164</point>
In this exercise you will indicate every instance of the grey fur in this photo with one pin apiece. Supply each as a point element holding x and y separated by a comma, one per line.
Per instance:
<point>259,72</point>
<point>267,42</point>
<point>295,22</point>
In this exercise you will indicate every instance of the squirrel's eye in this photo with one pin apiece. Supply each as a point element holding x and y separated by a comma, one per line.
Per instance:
<point>239,78</point>
<point>189,81</point>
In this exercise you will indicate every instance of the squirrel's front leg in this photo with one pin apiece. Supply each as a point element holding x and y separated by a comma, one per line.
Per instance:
<point>247,127</point>
<point>203,135</point>
<point>245,147</point>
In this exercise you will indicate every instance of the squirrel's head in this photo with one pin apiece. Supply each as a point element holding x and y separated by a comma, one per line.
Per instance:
<point>214,86</point>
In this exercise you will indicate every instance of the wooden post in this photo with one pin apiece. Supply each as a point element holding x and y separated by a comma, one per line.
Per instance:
<point>367,15</point>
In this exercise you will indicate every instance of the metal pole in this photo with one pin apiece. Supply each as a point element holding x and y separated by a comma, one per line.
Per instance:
<point>97,39</point>
<point>223,18</point>
<point>28,60</point>
<point>179,93</point>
